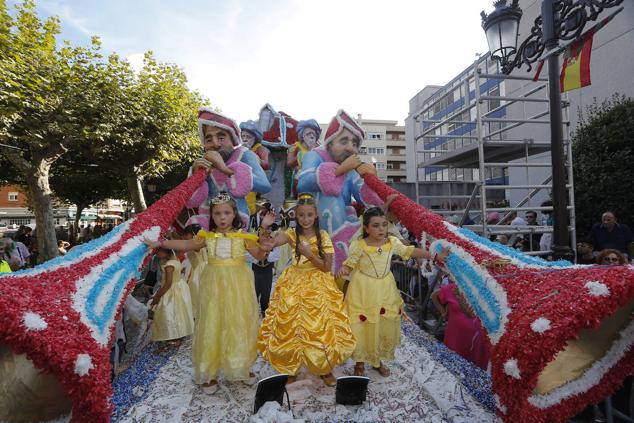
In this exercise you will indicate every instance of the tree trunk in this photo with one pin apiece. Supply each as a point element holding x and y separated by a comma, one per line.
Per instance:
<point>41,197</point>
<point>80,209</point>
<point>134,187</point>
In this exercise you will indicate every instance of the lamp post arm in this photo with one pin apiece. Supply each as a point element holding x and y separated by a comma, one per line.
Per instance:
<point>561,20</point>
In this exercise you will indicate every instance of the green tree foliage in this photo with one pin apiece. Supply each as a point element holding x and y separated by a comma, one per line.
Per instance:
<point>156,128</point>
<point>61,100</point>
<point>603,151</point>
<point>49,101</point>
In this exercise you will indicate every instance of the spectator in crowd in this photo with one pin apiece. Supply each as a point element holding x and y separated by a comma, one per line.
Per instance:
<point>611,257</point>
<point>546,240</point>
<point>502,239</point>
<point>585,254</point>
<point>4,264</point>
<point>531,240</point>
<point>61,233</point>
<point>493,218</point>
<point>62,247</point>
<point>97,231</point>
<point>16,252</point>
<point>34,252</point>
<point>24,235</point>
<point>609,234</point>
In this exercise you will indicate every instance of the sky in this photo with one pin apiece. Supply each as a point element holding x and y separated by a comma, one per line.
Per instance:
<point>308,58</point>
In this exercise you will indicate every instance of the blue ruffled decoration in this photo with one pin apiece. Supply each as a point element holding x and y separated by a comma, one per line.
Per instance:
<point>464,273</point>
<point>115,278</point>
<point>78,251</point>
<point>511,252</point>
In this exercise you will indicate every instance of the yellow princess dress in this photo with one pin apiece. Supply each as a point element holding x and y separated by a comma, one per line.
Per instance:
<point>227,324</point>
<point>305,323</point>
<point>173,317</point>
<point>373,301</point>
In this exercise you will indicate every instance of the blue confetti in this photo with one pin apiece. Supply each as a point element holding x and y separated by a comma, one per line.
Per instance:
<point>132,385</point>
<point>473,378</point>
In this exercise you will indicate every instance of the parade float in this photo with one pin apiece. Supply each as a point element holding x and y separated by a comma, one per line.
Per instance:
<point>561,334</point>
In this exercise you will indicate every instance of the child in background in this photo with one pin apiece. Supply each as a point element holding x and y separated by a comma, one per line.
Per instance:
<point>373,302</point>
<point>305,324</point>
<point>172,303</point>
<point>464,333</point>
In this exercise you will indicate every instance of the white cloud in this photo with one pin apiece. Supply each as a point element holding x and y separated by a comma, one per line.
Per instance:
<point>308,58</point>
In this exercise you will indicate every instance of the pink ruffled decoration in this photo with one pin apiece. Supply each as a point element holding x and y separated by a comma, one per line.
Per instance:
<point>369,197</point>
<point>241,182</point>
<point>199,196</point>
<point>341,240</point>
<point>327,181</point>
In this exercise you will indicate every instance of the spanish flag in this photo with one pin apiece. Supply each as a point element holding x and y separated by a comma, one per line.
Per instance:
<point>575,72</point>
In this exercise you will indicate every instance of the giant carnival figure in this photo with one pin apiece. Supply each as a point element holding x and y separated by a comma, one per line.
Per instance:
<point>331,173</point>
<point>308,133</point>
<point>232,167</point>
<point>252,139</point>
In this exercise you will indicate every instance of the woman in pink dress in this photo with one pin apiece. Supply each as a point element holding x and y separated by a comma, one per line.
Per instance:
<point>464,333</point>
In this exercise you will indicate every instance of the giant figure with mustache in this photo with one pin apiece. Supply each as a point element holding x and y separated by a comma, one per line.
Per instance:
<point>331,173</point>
<point>232,167</point>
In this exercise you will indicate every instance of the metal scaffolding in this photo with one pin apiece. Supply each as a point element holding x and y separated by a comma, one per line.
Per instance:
<point>503,134</point>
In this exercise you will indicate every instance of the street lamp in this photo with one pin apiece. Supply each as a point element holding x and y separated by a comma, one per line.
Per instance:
<point>501,28</point>
<point>560,20</point>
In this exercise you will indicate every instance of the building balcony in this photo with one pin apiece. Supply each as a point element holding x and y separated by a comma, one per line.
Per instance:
<point>395,172</point>
<point>395,143</point>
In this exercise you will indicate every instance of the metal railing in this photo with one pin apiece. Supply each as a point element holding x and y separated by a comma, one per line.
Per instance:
<point>416,291</point>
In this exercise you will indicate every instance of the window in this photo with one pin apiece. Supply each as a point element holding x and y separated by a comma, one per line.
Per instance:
<point>494,104</point>
<point>13,196</point>
<point>380,166</point>
<point>376,150</point>
<point>363,150</point>
<point>374,136</point>
<point>20,221</point>
<point>390,166</point>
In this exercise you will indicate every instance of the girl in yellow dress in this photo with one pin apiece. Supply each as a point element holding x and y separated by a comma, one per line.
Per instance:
<point>305,324</point>
<point>373,302</point>
<point>227,323</point>
<point>172,303</point>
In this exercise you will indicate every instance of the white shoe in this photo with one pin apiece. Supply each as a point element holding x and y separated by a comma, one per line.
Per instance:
<point>211,389</point>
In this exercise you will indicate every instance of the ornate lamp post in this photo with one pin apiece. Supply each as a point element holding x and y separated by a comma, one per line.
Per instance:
<point>560,20</point>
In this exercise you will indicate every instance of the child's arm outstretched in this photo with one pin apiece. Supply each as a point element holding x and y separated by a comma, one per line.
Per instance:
<point>266,241</point>
<point>354,255</point>
<point>176,244</point>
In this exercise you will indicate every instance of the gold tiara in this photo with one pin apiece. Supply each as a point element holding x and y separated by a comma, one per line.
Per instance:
<point>221,198</point>
<point>305,196</point>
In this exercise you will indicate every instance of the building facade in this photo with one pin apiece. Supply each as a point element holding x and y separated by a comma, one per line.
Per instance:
<point>384,146</point>
<point>14,211</point>
<point>611,74</point>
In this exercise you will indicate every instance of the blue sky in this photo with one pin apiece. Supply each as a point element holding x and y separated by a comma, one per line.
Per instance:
<point>306,57</point>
